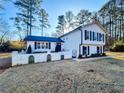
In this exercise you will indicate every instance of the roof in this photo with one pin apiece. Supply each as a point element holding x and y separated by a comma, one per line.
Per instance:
<point>79,28</point>
<point>41,38</point>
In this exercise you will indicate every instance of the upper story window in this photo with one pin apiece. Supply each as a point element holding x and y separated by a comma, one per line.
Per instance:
<point>93,36</point>
<point>97,36</point>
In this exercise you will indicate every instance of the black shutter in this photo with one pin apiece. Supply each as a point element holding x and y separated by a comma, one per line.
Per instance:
<point>88,50</point>
<point>90,35</point>
<point>49,45</point>
<point>83,50</point>
<point>103,38</point>
<point>99,36</point>
<point>35,45</point>
<point>85,34</point>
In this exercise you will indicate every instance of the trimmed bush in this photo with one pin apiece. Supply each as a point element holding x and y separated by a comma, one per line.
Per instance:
<point>29,50</point>
<point>80,56</point>
<point>103,54</point>
<point>95,55</point>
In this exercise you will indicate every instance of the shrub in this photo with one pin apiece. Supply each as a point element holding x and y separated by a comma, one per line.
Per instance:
<point>118,46</point>
<point>95,55</point>
<point>5,47</point>
<point>80,56</point>
<point>29,50</point>
<point>9,46</point>
<point>103,54</point>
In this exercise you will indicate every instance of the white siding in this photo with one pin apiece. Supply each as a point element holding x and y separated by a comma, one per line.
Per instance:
<point>18,59</point>
<point>72,41</point>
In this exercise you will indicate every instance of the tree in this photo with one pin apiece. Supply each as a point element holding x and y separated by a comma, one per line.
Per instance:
<point>4,31</point>
<point>61,25</point>
<point>43,18</point>
<point>113,21</point>
<point>83,17</point>
<point>28,10</point>
<point>18,30</point>
<point>69,20</point>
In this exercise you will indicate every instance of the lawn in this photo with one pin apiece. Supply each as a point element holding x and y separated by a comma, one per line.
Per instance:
<point>67,76</point>
<point>5,55</point>
<point>116,55</point>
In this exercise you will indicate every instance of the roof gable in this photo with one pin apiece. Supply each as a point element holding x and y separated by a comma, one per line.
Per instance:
<point>79,28</point>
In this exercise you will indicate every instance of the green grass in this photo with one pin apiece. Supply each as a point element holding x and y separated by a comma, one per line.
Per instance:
<point>116,55</point>
<point>5,55</point>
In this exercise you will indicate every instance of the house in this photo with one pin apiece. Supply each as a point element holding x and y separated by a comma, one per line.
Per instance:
<point>43,44</point>
<point>85,40</point>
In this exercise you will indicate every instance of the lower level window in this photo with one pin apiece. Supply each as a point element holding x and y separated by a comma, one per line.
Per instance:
<point>38,45</point>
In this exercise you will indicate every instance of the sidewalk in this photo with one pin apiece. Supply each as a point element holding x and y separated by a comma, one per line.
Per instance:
<point>90,59</point>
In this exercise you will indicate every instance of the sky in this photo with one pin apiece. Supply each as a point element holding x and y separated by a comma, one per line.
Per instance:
<point>55,8</point>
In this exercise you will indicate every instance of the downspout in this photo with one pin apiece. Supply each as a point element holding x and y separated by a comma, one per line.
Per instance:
<point>81,40</point>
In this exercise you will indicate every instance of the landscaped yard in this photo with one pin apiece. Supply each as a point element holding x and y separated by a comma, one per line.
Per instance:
<point>5,55</point>
<point>116,55</point>
<point>100,76</point>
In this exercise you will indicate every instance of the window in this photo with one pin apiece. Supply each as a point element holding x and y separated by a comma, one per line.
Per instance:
<point>97,36</point>
<point>47,45</point>
<point>38,45</point>
<point>100,37</point>
<point>43,46</point>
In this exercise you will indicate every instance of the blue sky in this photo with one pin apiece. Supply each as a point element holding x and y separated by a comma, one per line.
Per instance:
<point>56,8</point>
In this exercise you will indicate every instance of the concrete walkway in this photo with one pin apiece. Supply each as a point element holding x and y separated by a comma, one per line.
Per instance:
<point>90,59</point>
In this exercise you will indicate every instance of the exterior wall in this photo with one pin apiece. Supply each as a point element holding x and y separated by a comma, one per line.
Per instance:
<point>18,59</point>
<point>32,43</point>
<point>72,41</point>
